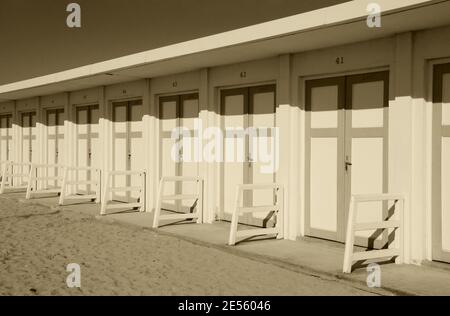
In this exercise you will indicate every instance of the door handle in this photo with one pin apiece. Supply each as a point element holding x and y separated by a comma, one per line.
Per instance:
<point>129,155</point>
<point>250,161</point>
<point>347,164</point>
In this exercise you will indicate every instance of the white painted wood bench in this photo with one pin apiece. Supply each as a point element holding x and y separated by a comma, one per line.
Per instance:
<point>278,208</point>
<point>35,178</point>
<point>71,182</point>
<point>110,189</point>
<point>10,172</point>
<point>198,196</point>
<point>352,227</point>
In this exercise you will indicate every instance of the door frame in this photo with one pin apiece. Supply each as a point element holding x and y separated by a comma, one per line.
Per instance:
<point>437,253</point>
<point>245,90</point>
<point>178,98</point>
<point>340,134</point>
<point>344,81</point>
<point>113,104</point>
<point>368,132</point>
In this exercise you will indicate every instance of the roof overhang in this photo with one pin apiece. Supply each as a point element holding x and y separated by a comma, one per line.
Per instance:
<point>331,26</point>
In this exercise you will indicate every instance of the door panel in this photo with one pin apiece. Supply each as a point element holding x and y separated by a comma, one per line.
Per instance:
<point>323,185</point>
<point>82,147</point>
<point>445,99</point>
<point>445,173</point>
<point>324,106</point>
<point>5,137</point>
<point>324,151</point>
<point>189,112</point>
<point>95,147</point>
<point>367,177</point>
<point>262,150</point>
<point>136,144</point>
<point>368,104</point>
<point>52,145</point>
<point>169,150</point>
<point>120,157</point>
<point>234,122</point>
<point>441,163</point>
<point>29,143</point>
<point>366,148</point>
<point>346,148</point>
<point>445,178</point>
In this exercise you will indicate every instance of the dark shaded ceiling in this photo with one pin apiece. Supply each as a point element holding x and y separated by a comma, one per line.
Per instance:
<point>35,40</point>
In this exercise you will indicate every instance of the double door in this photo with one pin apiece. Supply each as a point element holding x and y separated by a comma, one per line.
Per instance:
<point>179,146</point>
<point>346,153</point>
<point>249,148</point>
<point>128,146</point>
<point>88,146</point>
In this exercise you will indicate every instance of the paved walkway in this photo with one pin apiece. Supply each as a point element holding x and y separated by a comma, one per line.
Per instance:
<point>316,257</point>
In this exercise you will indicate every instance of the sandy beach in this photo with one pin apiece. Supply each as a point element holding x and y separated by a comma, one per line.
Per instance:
<point>37,243</point>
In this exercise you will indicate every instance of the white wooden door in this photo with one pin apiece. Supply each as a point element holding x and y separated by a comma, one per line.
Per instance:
<point>262,150</point>
<point>366,152</point>
<point>29,143</point>
<point>88,149</point>
<point>55,140</point>
<point>324,181</point>
<point>248,118</point>
<point>5,137</point>
<point>178,146</point>
<point>441,163</point>
<point>127,145</point>
<point>346,153</point>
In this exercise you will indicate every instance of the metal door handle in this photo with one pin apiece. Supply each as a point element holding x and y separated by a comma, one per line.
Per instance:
<point>347,164</point>
<point>129,155</point>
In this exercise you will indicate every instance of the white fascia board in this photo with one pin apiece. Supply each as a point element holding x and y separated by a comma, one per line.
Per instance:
<point>329,16</point>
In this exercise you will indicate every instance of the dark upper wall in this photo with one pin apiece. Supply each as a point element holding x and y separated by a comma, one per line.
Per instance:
<point>34,38</point>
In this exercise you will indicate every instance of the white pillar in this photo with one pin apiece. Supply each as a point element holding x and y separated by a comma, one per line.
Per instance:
<point>287,123</point>
<point>206,169</point>
<point>401,134</point>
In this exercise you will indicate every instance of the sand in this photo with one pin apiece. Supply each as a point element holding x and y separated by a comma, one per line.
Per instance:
<point>37,243</point>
